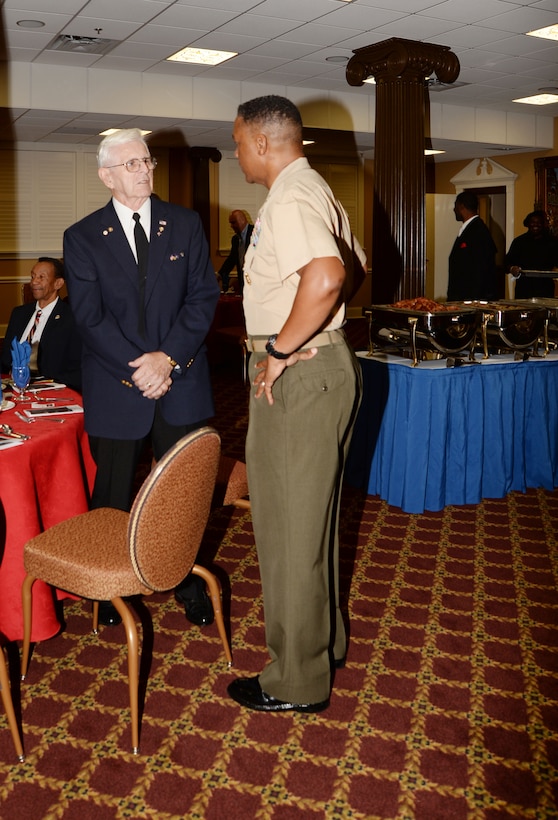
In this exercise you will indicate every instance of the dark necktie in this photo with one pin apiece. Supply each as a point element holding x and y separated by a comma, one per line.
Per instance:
<point>142,251</point>
<point>241,253</point>
<point>33,330</point>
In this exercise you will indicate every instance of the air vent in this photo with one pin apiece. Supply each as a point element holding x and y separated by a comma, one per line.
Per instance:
<point>437,85</point>
<point>82,45</point>
<point>78,130</point>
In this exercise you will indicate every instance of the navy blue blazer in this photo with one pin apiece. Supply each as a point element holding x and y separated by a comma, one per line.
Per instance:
<point>59,353</point>
<point>181,294</point>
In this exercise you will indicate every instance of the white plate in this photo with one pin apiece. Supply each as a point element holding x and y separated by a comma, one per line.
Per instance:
<point>45,386</point>
<point>7,405</point>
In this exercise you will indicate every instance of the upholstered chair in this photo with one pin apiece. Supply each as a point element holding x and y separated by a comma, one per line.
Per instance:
<point>232,484</point>
<point>107,554</point>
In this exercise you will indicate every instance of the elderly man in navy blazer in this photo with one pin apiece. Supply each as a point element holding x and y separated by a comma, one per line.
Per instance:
<point>143,291</point>
<point>47,323</point>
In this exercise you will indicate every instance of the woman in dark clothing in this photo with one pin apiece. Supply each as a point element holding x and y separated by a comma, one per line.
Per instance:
<point>536,249</point>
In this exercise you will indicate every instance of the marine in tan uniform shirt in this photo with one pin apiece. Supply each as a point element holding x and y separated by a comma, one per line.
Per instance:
<point>302,407</point>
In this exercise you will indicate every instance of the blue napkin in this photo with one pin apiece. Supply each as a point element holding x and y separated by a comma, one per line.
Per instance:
<point>21,353</point>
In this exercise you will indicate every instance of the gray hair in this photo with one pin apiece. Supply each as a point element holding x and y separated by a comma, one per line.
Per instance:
<point>111,141</point>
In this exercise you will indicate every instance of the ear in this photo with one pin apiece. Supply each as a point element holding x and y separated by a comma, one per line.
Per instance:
<point>58,283</point>
<point>261,143</point>
<point>105,176</point>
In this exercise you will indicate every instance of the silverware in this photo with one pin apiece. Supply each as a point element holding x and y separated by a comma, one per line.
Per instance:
<point>49,398</point>
<point>38,418</point>
<point>8,431</point>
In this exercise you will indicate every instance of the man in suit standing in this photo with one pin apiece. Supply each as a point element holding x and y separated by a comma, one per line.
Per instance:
<point>49,326</point>
<point>239,243</point>
<point>143,292</point>
<point>472,261</point>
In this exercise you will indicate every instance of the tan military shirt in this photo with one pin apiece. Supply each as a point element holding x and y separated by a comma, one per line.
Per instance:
<point>300,220</point>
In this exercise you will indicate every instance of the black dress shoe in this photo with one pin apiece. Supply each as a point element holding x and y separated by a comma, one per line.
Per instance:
<point>108,616</point>
<point>197,603</point>
<point>249,693</point>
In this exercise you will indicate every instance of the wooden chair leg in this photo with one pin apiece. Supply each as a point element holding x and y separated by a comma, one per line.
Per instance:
<point>133,667</point>
<point>95,617</point>
<point>215,595</point>
<point>9,707</point>
<point>27,606</point>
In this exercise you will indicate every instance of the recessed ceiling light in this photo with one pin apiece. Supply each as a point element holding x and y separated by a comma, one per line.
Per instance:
<point>202,56</point>
<point>30,23</point>
<point>547,33</point>
<point>110,131</point>
<point>538,99</point>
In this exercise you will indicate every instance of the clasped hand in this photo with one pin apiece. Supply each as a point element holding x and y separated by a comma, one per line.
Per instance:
<point>152,374</point>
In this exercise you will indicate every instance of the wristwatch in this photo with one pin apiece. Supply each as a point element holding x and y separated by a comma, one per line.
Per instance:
<point>270,348</point>
<point>175,366</point>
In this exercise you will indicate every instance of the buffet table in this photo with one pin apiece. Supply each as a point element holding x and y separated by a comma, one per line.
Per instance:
<point>430,436</point>
<point>44,480</point>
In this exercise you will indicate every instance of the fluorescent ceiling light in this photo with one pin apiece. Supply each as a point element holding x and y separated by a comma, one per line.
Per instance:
<point>539,99</point>
<point>548,33</point>
<point>110,131</point>
<point>30,23</point>
<point>202,56</point>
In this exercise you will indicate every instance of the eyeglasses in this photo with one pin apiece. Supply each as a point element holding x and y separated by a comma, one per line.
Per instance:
<point>134,165</point>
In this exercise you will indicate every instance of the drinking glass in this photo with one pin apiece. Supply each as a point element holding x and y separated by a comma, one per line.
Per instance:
<point>21,376</point>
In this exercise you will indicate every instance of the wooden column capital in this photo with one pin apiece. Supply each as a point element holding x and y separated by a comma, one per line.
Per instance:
<point>400,68</point>
<point>399,59</point>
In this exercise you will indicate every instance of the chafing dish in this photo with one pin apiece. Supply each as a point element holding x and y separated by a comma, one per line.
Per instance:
<point>541,274</point>
<point>446,331</point>
<point>550,330</point>
<point>509,325</point>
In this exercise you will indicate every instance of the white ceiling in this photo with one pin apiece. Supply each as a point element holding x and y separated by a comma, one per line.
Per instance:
<point>284,42</point>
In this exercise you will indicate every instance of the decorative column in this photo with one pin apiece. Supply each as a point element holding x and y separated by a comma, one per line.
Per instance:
<point>200,159</point>
<point>400,68</point>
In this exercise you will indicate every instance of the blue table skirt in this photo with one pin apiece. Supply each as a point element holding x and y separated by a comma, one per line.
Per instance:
<point>430,436</point>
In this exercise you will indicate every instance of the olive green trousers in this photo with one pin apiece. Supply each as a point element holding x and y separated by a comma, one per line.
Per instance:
<point>295,454</point>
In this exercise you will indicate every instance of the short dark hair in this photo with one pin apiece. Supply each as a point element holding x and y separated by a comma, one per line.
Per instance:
<point>270,109</point>
<point>56,264</point>
<point>469,200</point>
<point>536,215</point>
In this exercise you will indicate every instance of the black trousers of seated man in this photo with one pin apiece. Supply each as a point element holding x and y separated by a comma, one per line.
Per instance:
<point>117,461</point>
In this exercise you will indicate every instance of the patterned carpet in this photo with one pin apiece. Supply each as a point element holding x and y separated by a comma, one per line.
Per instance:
<point>446,709</point>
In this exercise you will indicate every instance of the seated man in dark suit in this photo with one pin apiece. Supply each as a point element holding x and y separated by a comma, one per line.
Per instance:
<point>239,244</point>
<point>48,325</point>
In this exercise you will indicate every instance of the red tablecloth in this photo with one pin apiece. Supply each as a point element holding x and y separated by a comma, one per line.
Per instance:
<point>43,481</point>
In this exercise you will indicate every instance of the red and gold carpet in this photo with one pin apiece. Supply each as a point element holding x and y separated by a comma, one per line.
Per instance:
<point>447,708</point>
